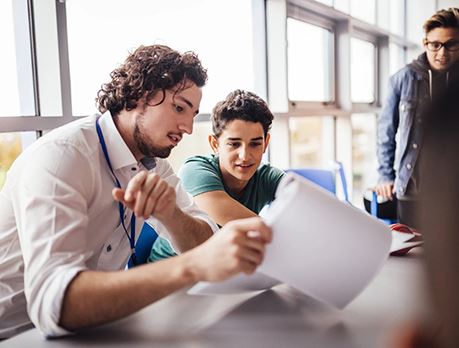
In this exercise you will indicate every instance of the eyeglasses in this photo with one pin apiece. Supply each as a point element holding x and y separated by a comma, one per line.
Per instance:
<point>437,45</point>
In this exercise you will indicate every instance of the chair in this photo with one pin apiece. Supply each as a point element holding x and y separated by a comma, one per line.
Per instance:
<point>144,244</point>
<point>324,178</point>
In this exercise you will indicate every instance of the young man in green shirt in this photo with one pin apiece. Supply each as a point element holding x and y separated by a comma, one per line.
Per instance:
<point>231,184</point>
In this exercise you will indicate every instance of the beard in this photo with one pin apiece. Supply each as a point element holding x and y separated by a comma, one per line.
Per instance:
<point>147,148</point>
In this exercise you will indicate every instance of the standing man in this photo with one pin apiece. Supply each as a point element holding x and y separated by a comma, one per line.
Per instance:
<point>411,90</point>
<point>74,202</point>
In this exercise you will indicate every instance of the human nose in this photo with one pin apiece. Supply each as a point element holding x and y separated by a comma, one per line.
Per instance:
<point>243,153</point>
<point>186,125</point>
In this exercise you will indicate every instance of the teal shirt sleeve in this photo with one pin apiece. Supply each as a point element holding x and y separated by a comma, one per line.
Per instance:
<point>200,174</point>
<point>160,250</point>
<point>270,178</point>
<point>268,181</point>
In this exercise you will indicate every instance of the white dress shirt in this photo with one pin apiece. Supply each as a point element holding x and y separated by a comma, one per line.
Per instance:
<point>58,218</point>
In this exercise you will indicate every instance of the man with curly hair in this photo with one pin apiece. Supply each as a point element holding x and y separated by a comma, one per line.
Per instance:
<point>74,202</point>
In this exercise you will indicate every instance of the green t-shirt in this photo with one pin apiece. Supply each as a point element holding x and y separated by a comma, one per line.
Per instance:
<point>202,174</point>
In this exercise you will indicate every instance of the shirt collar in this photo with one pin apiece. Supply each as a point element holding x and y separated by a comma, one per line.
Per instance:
<point>149,162</point>
<point>118,151</point>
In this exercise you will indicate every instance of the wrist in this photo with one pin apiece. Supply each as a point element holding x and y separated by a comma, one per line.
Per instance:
<point>191,270</point>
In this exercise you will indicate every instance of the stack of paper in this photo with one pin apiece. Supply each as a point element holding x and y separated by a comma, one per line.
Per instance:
<point>321,246</point>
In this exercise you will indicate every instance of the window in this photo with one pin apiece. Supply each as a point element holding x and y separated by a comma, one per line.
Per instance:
<point>396,58</point>
<point>364,162</point>
<point>390,16</point>
<point>364,10</point>
<point>362,71</point>
<point>326,2</point>
<point>194,144</point>
<point>16,86</point>
<point>11,145</point>
<point>309,62</point>
<point>396,16</point>
<point>311,141</point>
<point>342,5</point>
<point>113,27</point>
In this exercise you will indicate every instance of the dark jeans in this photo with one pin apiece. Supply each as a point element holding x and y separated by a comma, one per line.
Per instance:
<point>407,212</point>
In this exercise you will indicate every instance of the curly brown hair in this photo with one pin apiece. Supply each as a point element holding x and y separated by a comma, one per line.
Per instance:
<point>146,71</point>
<point>241,105</point>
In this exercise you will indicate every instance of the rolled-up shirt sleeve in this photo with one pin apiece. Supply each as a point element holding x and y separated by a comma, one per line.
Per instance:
<point>51,208</point>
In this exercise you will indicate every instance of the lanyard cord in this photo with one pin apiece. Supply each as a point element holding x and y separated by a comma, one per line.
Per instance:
<point>120,205</point>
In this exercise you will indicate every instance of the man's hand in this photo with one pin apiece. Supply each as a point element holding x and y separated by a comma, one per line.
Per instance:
<point>385,190</point>
<point>238,247</point>
<point>147,194</point>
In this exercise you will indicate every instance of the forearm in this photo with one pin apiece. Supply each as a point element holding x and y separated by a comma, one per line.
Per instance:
<point>186,231</point>
<point>94,298</point>
<point>221,207</point>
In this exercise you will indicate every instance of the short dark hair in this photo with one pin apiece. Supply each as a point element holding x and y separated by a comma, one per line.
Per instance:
<point>443,19</point>
<point>147,70</point>
<point>241,105</point>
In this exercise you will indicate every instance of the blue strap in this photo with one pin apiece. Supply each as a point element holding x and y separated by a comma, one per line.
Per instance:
<point>343,181</point>
<point>121,210</point>
<point>374,204</point>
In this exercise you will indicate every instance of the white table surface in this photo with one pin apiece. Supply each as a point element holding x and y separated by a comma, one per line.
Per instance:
<point>280,317</point>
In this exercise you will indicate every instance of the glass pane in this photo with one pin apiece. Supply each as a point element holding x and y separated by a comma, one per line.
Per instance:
<point>220,32</point>
<point>308,73</point>
<point>364,161</point>
<point>11,145</point>
<point>342,5</point>
<point>194,144</point>
<point>364,10</point>
<point>311,141</point>
<point>383,20</point>
<point>10,37</point>
<point>396,55</point>
<point>326,2</point>
<point>362,71</point>
<point>396,16</point>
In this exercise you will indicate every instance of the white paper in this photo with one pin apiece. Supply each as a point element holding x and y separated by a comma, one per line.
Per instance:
<point>325,248</point>
<point>237,284</point>
<point>401,241</point>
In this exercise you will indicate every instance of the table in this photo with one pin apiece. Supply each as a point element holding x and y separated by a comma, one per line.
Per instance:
<point>280,317</point>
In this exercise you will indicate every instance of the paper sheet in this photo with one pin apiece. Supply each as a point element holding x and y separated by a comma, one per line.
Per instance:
<point>237,284</point>
<point>323,247</point>
<point>401,241</point>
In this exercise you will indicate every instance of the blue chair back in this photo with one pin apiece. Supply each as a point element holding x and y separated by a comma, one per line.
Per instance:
<point>321,177</point>
<point>324,178</point>
<point>144,244</point>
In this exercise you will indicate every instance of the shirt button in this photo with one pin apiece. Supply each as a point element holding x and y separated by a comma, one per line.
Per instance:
<point>109,248</point>
<point>415,146</point>
<point>408,166</point>
<point>133,169</point>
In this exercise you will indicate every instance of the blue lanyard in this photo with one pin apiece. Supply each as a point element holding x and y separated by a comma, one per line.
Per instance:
<point>120,205</point>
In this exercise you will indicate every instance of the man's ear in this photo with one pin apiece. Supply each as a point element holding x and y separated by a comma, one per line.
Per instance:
<point>213,142</point>
<point>268,137</point>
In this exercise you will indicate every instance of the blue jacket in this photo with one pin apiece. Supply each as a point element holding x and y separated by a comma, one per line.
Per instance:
<point>410,92</point>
